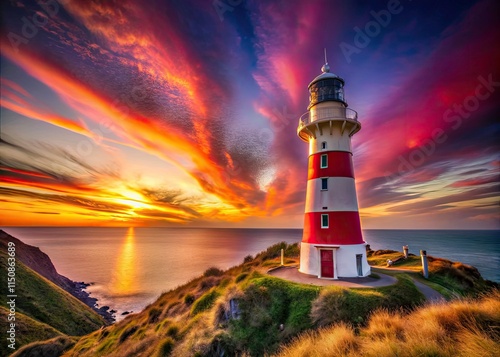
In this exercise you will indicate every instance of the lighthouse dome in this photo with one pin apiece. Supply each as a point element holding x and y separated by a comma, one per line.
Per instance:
<point>325,75</point>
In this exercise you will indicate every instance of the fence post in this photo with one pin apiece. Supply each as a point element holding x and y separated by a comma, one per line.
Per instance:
<point>425,268</point>
<point>405,251</point>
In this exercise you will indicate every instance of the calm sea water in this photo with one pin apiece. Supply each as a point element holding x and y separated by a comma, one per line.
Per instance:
<point>131,267</point>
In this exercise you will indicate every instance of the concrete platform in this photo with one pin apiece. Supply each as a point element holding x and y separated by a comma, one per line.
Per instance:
<point>293,274</point>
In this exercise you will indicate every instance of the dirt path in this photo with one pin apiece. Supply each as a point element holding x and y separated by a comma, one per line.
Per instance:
<point>430,294</point>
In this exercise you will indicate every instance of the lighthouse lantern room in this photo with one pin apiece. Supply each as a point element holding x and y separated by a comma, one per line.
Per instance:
<point>332,244</point>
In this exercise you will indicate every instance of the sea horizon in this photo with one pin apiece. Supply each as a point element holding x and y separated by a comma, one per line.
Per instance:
<point>291,228</point>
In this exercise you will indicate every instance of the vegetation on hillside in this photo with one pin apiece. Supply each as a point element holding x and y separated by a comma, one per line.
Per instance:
<point>27,330</point>
<point>462,328</point>
<point>452,279</point>
<point>42,300</point>
<point>244,311</point>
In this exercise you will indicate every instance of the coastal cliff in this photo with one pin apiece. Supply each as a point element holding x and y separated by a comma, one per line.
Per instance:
<point>38,261</point>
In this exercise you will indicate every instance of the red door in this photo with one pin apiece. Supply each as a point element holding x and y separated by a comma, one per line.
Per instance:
<point>326,263</point>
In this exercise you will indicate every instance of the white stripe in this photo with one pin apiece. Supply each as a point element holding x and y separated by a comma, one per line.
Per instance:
<point>340,196</point>
<point>335,142</point>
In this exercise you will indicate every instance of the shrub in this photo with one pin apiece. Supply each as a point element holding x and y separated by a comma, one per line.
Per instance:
<point>247,259</point>
<point>221,345</point>
<point>166,347</point>
<point>209,282</point>
<point>205,302</point>
<point>189,299</point>
<point>241,277</point>
<point>127,333</point>
<point>173,331</point>
<point>329,307</point>
<point>384,251</point>
<point>274,251</point>
<point>213,271</point>
<point>154,314</point>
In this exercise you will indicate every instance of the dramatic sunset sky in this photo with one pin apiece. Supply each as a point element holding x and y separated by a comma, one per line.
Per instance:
<point>157,113</point>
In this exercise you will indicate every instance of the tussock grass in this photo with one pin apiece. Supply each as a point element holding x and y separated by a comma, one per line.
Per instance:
<point>54,347</point>
<point>205,302</point>
<point>213,271</point>
<point>165,347</point>
<point>338,341</point>
<point>462,328</point>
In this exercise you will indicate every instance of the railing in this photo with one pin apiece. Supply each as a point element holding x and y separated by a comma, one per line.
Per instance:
<point>322,114</point>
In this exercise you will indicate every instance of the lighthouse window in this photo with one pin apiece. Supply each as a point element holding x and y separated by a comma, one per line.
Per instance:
<point>324,184</point>
<point>324,161</point>
<point>324,221</point>
<point>323,145</point>
<point>326,89</point>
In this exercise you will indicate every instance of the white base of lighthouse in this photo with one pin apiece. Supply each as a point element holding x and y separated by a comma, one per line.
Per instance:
<point>334,261</point>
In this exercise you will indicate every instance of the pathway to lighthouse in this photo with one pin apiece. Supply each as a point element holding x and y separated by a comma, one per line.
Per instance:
<point>291,273</point>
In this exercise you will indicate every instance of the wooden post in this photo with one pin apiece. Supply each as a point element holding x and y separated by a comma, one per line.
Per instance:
<point>282,256</point>
<point>405,251</point>
<point>425,268</point>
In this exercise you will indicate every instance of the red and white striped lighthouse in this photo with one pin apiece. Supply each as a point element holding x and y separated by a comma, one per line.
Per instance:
<point>332,245</point>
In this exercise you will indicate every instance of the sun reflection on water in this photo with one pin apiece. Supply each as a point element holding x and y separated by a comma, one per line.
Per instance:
<point>125,275</point>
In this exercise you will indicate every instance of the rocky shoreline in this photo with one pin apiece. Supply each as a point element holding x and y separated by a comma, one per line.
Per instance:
<point>80,292</point>
<point>40,262</point>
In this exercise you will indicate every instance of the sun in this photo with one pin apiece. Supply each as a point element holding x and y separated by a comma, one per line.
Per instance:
<point>132,198</point>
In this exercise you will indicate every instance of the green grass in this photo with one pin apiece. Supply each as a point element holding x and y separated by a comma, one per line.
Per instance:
<point>165,347</point>
<point>205,302</point>
<point>46,302</point>
<point>27,330</point>
<point>266,304</point>
<point>379,258</point>
<point>336,304</point>
<point>52,348</point>
<point>451,279</point>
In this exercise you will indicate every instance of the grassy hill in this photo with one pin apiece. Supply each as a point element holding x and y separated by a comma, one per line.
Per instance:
<point>244,311</point>
<point>451,279</point>
<point>462,328</point>
<point>35,259</point>
<point>43,309</point>
<point>46,302</point>
<point>27,330</point>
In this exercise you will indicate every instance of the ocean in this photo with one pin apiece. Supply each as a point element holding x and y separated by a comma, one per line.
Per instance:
<point>130,267</point>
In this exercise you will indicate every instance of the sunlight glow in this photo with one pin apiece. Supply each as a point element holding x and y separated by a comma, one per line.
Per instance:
<point>124,280</point>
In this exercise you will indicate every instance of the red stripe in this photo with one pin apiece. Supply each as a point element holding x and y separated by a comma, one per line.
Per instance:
<point>343,228</point>
<point>339,165</point>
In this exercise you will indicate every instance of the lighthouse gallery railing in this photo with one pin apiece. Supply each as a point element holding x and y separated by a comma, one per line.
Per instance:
<point>322,114</point>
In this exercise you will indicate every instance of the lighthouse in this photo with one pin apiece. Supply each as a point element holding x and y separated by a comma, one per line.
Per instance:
<point>332,245</point>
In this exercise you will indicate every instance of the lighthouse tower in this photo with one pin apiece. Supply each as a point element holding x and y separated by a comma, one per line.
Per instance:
<point>332,245</point>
